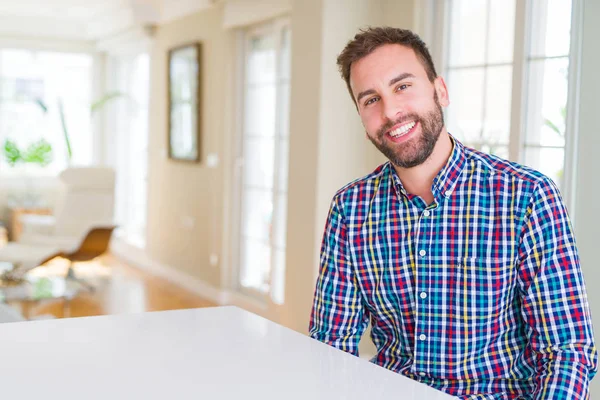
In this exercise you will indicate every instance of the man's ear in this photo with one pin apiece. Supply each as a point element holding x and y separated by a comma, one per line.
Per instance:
<point>442,91</point>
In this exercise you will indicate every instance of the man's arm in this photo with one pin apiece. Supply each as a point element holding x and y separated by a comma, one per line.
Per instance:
<point>554,301</point>
<point>338,317</point>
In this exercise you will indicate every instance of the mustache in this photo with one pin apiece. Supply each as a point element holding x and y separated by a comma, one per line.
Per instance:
<point>389,124</point>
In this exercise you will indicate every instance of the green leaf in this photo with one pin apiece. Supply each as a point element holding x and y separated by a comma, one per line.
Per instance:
<point>39,152</point>
<point>552,126</point>
<point>11,152</point>
<point>102,101</point>
<point>42,105</point>
<point>63,123</point>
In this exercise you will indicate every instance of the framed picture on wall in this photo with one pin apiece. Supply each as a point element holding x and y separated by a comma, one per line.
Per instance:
<point>184,102</point>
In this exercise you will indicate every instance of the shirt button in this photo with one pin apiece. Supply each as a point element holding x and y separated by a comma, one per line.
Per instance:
<point>422,253</point>
<point>448,193</point>
<point>426,213</point>
<point>422,337</point>
<point>423,295</point>
<point>422,373</point>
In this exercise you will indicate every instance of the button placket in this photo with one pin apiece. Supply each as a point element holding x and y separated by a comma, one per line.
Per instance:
<point>421,306</point>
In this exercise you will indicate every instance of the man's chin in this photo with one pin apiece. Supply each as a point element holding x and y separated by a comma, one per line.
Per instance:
<point>404,164</point>
<point>408,157</point>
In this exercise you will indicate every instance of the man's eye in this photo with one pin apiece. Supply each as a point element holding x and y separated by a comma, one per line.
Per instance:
<point>371,101</point>
<point>401,87</point>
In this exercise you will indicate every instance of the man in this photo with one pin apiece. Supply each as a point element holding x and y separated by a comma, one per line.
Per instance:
<point>464,263</point>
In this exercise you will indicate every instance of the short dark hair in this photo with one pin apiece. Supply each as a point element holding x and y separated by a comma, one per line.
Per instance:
<point>368,40</point>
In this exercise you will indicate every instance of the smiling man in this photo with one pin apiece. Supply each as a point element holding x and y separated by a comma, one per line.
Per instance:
<point>464,263</point>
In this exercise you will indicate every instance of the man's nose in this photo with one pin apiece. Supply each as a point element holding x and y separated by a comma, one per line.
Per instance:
<point>392,108</point>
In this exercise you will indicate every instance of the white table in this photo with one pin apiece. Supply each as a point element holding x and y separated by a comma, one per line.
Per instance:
<point>210,353</point>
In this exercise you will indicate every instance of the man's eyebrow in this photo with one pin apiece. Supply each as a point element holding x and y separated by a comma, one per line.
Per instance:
<point>363,94</point>
<point>401,77</point>
<point>394,80</point>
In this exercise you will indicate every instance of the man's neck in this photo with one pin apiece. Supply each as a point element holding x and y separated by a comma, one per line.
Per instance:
<point>418,180</point>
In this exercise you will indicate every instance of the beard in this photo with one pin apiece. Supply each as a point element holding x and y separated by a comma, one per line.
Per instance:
<point>415,151</point>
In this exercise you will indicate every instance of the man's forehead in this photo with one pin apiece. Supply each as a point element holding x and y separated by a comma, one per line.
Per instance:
<point>385,63</point>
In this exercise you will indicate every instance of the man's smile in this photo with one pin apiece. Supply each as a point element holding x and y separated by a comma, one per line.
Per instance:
<point>402,132</point>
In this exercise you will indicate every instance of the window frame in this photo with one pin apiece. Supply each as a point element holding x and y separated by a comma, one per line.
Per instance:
<point>276,26</point>
<point>434,24</point>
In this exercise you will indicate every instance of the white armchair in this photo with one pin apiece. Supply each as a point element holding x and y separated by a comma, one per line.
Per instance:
<point>87,199</point>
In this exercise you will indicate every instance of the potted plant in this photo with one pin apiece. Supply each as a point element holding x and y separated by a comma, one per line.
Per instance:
<point>39,152</point>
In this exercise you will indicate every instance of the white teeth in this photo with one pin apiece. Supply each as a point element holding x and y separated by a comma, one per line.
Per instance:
<point>402,130</point>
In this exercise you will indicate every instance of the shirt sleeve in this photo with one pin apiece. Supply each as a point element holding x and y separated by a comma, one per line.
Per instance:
<point>554,300</point>
<point>338,316</point>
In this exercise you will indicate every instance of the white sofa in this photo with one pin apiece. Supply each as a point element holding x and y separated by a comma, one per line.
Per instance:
<point>86,200</point>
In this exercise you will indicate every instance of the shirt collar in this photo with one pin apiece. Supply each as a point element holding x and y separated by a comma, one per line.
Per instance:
<point>446,179</point>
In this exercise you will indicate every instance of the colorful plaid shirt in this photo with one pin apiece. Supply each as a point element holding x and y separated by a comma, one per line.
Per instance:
<point>479,294</point>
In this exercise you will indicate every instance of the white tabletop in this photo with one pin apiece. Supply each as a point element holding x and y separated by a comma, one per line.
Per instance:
<point>209,353</point>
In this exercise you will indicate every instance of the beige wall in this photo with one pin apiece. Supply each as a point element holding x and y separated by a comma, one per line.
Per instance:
<point>305,109</point>
<point>185,199</point>
<point>328,147</point>
<point>328,144</point>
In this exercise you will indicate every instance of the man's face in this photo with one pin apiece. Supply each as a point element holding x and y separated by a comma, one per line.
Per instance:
<point>400,108</point>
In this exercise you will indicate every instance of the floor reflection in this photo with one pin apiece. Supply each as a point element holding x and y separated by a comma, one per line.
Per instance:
<point>118,288</point>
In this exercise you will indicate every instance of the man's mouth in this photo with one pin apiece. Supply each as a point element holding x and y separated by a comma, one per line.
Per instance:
<point>402,129</point>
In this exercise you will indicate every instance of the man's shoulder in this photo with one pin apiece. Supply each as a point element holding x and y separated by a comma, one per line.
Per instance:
<point>365,183</point>
<point>508,169</point>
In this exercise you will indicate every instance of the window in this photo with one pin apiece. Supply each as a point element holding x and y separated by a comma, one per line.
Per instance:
<point>262,161</point>
<point>507,70</point>
<point>39,90</point>
<point>129,143</point>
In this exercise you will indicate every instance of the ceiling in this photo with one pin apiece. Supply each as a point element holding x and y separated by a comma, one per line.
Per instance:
<point>69,9</point>
<point>88,19</point>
